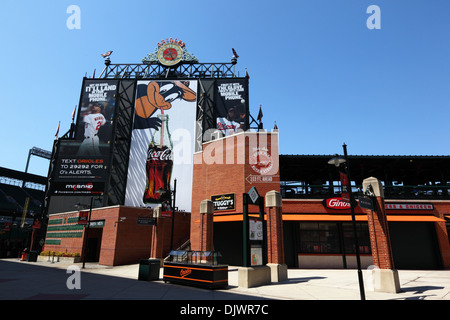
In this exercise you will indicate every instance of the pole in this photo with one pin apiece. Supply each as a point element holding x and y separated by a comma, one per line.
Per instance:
<point>245,246</point>
<point>264,241</point>
<point>355,234</point>
<point>173,212</point>
<point>87,233</point>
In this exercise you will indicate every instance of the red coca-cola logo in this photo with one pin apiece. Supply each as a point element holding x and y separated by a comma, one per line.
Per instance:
<point>158,154</point>
<point>336,203</point>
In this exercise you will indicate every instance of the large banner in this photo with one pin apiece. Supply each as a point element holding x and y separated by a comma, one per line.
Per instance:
<point>77,174</point>
<point>231,99</point>
<point>162,144</point>
<point>96,113</point>
<point>82,164</point>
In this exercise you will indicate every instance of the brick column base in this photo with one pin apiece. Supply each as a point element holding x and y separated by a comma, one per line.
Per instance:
<point>157,245</point>
<point>385,277</point>
<point>275,245</point>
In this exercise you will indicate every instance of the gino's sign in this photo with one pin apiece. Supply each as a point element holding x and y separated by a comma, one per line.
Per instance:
<point>336,203</point>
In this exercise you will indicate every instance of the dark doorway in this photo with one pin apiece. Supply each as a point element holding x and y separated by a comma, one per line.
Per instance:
<point>228,241</point>
<point>93,244</point>
<point>414,245</point>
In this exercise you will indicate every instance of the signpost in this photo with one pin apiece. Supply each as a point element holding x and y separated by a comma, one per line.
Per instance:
<point>254,246</point>
<point>146,221</point>
<point>83,217</point>
<point>366,202</point>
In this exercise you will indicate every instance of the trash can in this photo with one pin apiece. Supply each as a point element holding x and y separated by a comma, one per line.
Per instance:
<point>32,256</point>
<point>149,269</point>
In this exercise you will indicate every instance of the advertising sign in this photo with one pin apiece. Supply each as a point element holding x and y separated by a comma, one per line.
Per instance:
<point>409,206</point>
<point>256,253</point>
<point>256,229</point>
<point>231,99</point>
<point>83,217</point>
<point>344,184</point>
<point>82,165</point>
<point>96,113</point>
<point>162,143</point>
<point>77,174</point>
<point>336,203</point>
<point>223,202</point>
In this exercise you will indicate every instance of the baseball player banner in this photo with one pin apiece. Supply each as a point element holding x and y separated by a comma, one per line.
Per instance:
<point>231,99</point>
<point>162,143</point>
<point>95,115</point>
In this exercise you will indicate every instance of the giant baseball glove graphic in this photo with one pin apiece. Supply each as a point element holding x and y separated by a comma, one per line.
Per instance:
<point>158,95</point>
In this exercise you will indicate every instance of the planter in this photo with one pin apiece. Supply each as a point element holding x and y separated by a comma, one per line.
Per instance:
<point>59,259</point>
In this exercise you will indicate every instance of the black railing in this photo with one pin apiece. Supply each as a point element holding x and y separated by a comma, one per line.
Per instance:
<point>155,70</point>
<point>195,257</point>
<point>296,191</point>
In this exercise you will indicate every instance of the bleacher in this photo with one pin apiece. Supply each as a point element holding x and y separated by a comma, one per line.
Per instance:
<point>15,188</point>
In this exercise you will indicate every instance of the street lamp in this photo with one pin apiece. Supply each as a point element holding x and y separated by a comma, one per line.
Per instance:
<point>86,235</point>
<point>338,161</point>
<point>162,191</point>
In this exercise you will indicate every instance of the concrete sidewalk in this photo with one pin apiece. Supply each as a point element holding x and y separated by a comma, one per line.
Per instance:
<point>47,281</point>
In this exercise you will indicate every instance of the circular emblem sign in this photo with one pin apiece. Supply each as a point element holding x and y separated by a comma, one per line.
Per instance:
<point>170,54</point>
<point>261,162</point>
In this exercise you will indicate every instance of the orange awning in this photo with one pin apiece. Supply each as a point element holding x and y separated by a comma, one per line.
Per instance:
<point>336,217</point>
<point>411,218</point>
<point>232,217</point>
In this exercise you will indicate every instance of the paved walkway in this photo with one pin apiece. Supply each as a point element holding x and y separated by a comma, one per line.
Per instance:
<point>21,280</point>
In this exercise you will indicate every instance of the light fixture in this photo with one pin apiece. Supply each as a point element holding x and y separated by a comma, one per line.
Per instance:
<point>121,219</point>
<point>337,160</point>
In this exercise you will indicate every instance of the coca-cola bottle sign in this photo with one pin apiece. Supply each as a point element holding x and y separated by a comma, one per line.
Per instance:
<point>159,165</point>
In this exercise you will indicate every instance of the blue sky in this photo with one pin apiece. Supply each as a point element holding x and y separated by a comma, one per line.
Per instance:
<point>314,66</point>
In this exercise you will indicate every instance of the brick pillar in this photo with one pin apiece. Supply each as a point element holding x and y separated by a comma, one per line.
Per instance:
<point>206,216</point>
<point>275,246</point>
<point>157,245</point>
<point>385,275</point>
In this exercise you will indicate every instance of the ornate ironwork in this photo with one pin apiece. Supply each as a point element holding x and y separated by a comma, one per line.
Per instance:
<point>154,70</point>
<point>153,57</point>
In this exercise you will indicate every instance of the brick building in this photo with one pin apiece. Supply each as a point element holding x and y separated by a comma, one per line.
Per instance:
<point>227,155</point>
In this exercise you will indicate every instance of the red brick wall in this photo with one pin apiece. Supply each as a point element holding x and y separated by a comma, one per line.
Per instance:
<point>379,236</point>
<point>275,247</point>
<point>123,242</point>
<point>233,165</point>
<point>442,208</point>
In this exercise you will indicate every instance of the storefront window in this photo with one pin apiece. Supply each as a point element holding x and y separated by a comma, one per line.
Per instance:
<point>362,230</point>
<point>324,237</point>
<point>319,237</point>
